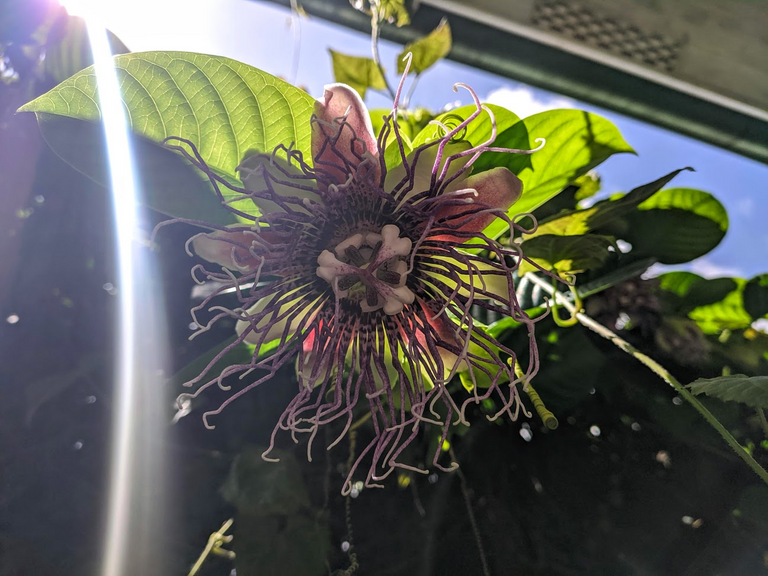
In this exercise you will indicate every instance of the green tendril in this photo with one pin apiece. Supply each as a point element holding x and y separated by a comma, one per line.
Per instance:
<point>572,320</point>
<point>547,417</point>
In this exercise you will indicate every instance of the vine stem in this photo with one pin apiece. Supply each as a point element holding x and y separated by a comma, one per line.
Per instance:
<point>214,546</point>
<point>411,90</point>
<point>471,514</point>
<point>375,23</point>
<point>657,369</point>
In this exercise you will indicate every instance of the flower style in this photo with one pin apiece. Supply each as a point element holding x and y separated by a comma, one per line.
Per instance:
<point>368,274</point>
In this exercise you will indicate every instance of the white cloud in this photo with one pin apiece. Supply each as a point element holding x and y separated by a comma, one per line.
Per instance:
<point>703,267</point>
<point>525,101</point>
<point>746,207</point>
<point>708,269</point>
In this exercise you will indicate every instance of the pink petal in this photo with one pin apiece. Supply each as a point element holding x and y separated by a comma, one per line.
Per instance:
<point>424,166</point>
<point>253,170</point>
<point>352,140</point>
<point>446,332</point>
<point>497,188</point>
<point>230,249</point>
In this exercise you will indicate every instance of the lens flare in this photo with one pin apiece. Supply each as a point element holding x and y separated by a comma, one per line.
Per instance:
<point>136,497</point>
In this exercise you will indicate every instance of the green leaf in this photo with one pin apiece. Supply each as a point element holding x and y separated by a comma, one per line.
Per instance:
<point>749,390</point>
<point>225,108</point>
<point>603,213</point>
<point>576,142</point>
<point>588,185</point>
<point>686,224</point>
<point>613,276</point>
<point>427,50</point>
<point>678,283</point>
<point>726,314</point>
<point>715,305</point>
<point>756,296</point>
<point>477,132</point>
<point>571,254</point>
<point>695,291</point>
<point>500,327</point>
<point>359,73</point>
<point>392,154</point>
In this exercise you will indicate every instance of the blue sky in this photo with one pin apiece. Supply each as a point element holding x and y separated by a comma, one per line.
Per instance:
<point>262,35</point>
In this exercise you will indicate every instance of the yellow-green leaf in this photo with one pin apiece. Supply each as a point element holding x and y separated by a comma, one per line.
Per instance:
<point>576,142</point>
<point>427,50</point>
<point>359,73</point>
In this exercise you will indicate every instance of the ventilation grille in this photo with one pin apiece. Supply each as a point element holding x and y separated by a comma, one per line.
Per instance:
<point>619,38</point>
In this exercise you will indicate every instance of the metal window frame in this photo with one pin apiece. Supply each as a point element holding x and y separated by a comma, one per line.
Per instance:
<point>526,55</point>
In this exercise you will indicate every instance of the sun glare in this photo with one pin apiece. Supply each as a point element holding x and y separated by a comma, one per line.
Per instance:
<point>136,471</point>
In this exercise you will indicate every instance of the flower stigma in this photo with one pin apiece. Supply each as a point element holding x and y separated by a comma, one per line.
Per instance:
<point>371,269</point>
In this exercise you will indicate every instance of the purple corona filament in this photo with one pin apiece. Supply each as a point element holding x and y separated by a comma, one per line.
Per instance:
<point>366,274</point>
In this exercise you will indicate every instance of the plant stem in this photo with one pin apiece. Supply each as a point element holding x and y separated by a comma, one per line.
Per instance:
<point>375,46</point>
<point>471,514</point>
<point>214,546</point>
<point>411,90</point>
<point>659,370</point>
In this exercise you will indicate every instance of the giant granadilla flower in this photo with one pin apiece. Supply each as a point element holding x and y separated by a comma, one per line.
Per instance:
<point>368,274</point>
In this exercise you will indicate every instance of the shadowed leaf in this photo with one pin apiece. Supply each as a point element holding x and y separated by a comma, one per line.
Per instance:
<point>603,213</point>
<point>566,253</point>
<point>756,296</point>
<point>686,224</point>
<point>750,390</point>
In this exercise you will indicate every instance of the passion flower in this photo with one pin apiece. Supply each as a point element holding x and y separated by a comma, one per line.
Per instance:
<point>368,275</point>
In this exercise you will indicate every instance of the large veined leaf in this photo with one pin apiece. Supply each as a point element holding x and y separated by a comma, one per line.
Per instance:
<point>685,224</point>
<point>577,141</point>
<point>225,108</point>
<point>612,276</point>
<point>752,391</point>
